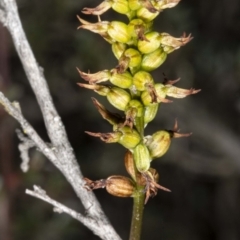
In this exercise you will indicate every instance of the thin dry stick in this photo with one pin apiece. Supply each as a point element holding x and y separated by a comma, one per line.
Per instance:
<point>62,156</point>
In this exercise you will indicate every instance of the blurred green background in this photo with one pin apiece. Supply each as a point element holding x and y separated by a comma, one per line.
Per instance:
<point>203,171</point>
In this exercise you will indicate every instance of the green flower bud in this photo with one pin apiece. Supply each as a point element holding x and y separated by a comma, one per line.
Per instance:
<point>153,60</point>
<point>118,49</point>
<point>129,138</point>
<point>142,157</point>
<point>118,31</point>
<point>150,44</point>
<point>150,112</point>
<point>122,80</point>
<point>118,97</point>
<point>141,79</point>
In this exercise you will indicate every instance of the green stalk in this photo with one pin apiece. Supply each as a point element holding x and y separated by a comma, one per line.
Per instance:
<point>137,215</point>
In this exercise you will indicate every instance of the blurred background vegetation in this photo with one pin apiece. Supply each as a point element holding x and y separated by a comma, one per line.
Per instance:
<point>203,171</point>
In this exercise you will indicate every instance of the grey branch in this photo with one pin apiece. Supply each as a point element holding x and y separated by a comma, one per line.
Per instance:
<point>61,155</point>
<point>60,208</point>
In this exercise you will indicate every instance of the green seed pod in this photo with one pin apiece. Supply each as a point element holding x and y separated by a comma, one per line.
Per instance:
<point>134,56</point>
<point>118,97</point>
<point>134,4</point>
<point>136,27</point>
<point>118,31</point>
<point>137,105</point>
<point>121,6</point>
<point>122,80</point>
<point>147,98</point>
<point>144,14</point>
<point>140,79</point>
<point>118,49</point>
<point>142,157</point>
<point>150,44</point>
<point>159,143</point>
<point>129,138</point>
<point>150,112</point>
<point>153,60</point>
<point>131,58</point>
<point>120,186</point>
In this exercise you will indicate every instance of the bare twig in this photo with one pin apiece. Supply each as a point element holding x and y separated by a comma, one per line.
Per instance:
<point>24,147</point>
<point>60,208</point>
<point>62,156</point>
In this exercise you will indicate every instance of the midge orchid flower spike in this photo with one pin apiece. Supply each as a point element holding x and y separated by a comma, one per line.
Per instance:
<point>130,88</point>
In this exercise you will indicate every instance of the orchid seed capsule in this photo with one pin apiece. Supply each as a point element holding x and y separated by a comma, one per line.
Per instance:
<point>122,80</point>
<point>118,31</point>
<point>158,90</point>
<point>144,14</point>
<point>120,186</point>
<point>118,49</point>
<point>135,57</point>
<point>120,6</point>
<point>134,4</point>
<point>150,112</point>
<point>159,143</point>
<point>136,27</point>
<point>153,60</point>
<point>137,105</point>
<point>142,157</point>
<point>118,97</point>
<point>130,138</point>
<point>150,44</point>
<point>130,165</point>
<point>140,79</point>
<point>131,58</point>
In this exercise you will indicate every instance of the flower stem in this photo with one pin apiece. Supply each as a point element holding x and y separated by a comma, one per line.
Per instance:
<point>138,206</point>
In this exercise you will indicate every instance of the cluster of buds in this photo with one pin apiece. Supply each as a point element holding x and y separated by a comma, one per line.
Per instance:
<point>130,88</point>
